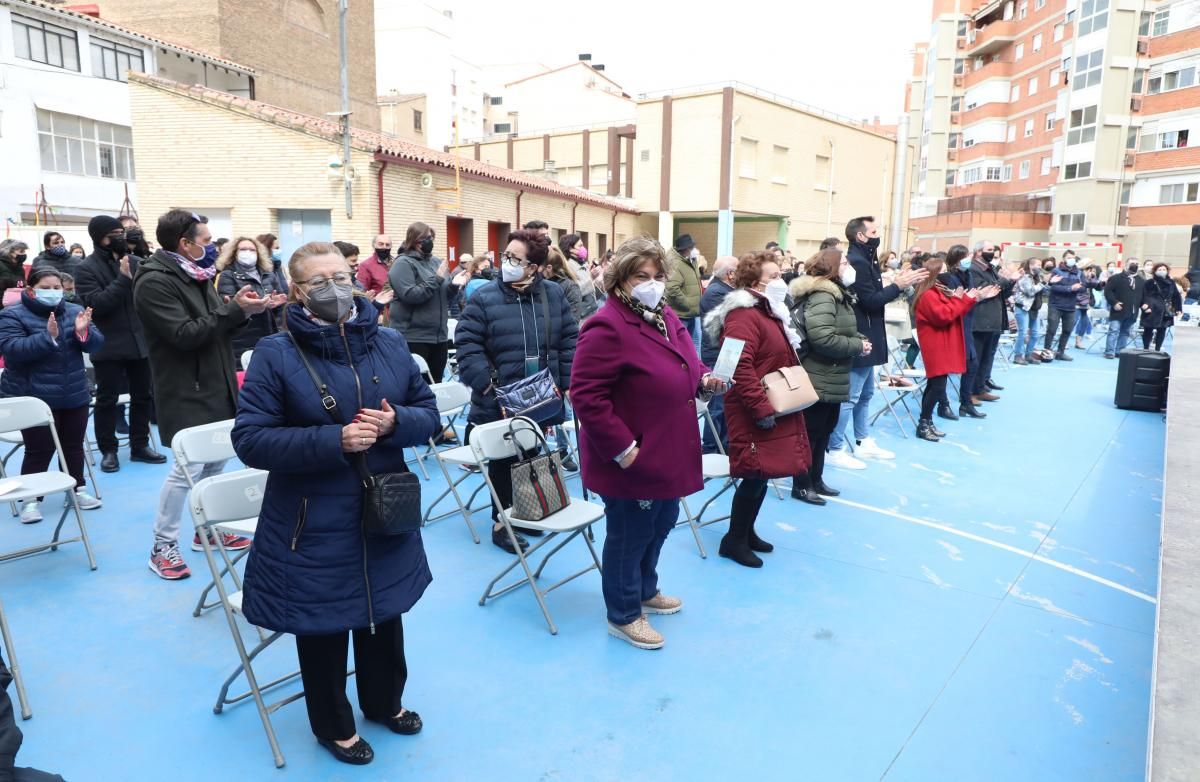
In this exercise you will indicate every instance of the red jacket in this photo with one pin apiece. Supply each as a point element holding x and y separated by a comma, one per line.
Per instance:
<point>629,383</point>
<point>372,274</point>
<point>940,332</point>
<point>782,451</point>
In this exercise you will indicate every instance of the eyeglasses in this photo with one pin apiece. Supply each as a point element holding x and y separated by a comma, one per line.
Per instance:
<point>512,260</point>
<point>341,278</point>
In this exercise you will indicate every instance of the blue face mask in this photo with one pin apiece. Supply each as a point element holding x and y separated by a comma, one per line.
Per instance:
<point>210,257</point>
<point>965,264</point>
<point>59,250</point>
<point>276,256</point>
<point>49,297</point>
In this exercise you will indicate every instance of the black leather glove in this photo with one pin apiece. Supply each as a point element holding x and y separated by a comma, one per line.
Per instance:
<point>766,423</point>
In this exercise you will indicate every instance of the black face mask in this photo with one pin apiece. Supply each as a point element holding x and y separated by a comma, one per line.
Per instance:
<point>987,257</point>
<point>427,246</point>
<point>1133,267</point>
<point>382,253</point>
<point>20,259</point>
<point>134,236</point>
<point>118,246</point>
<point>486,272</point>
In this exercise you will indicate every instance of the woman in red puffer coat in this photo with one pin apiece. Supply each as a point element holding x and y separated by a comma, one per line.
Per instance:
<point>762,445</point>
<point>940,304</point>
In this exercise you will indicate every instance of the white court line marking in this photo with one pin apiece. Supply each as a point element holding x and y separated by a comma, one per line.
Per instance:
<point>997,544</point>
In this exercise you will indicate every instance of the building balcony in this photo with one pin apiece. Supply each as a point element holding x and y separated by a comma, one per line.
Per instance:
<point>986,149</point>
<point>984,111</point>
<point>993,38</point>
<point>993,203</point>
<point>997,69</point>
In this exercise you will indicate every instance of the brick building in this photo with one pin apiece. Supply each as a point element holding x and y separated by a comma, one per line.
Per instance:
<point>1058,121</point>
<point>292,45</point>
<point>199,137</point>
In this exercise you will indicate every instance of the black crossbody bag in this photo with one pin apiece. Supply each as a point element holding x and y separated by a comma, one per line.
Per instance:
<point>391,500</point>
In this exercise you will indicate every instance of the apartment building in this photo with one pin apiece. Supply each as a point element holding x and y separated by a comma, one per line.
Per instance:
<point>66,137</point>
<point>1060,121</point>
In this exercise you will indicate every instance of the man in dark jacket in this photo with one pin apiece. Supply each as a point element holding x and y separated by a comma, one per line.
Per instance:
<point>187,330</point>
<point>718,289</point>
<point>867,284</point>
<point>55,255</point>
<point>1123,292</point>
<point>988,320</point>
<point>1065,282</point>
<point>104,282</point>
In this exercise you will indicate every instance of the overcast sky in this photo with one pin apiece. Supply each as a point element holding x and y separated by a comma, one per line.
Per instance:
<point>847,56</point>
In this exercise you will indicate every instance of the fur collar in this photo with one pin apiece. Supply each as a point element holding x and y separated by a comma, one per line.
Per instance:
<point>739,299</point>
<point>802,286</point>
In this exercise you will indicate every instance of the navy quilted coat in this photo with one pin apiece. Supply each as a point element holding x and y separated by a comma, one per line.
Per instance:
<point>310,566</point>
<point>34,364</point>
<point>500,327</point>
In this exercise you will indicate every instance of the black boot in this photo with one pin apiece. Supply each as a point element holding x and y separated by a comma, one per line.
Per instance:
<point>807,495</point>
<point>925,431</point>
<point>933,428</point>
<point>992,385</point>
<point>826,490</point>
<point>736,543</point>
<point>945,411</point>
<point>109,462</point>
<point>758,544</point>
<point>971,411</point>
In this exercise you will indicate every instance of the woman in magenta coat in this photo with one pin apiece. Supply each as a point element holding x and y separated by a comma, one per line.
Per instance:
<point>634,384</point>
<point>762,445</point>
<point>939,305</point>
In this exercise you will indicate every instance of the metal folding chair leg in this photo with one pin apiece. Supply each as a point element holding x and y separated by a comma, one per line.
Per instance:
<point>14,667</point>
<point>56,540</point>
<point>452,488</point>
<point>691,522</point>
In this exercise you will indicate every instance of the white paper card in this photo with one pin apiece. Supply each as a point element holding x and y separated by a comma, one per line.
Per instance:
<point>731,351</point>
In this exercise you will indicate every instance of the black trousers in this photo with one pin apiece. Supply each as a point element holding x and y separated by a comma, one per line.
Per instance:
<point>435,354</point>
<point>986,343</point>
<point>380,675</point>
<point>747,502</point>
<point>934,395</point>
<point>820,420</point>
<point>112,378</point>
<point>966,382</point>
<point>1067,319</point>
<point>1159,334</point>
<point>39,444</point>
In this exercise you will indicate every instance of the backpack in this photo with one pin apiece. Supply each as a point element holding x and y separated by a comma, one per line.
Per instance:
<point>798,323</point>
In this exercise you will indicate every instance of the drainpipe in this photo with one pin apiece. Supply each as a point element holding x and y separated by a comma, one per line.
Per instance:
<point>574,207</point>
<point>829,210</point>
<point>518,225</point>
<point>898,178</point>
<point>612,234</point>
<point>379,190</point>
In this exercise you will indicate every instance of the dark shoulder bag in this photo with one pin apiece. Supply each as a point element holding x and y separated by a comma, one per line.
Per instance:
<point>391,500</point>
<point>536,397</point>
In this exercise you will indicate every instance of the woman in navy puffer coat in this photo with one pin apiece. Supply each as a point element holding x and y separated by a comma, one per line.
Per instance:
<point>312,571</point>
<point>43,339</point>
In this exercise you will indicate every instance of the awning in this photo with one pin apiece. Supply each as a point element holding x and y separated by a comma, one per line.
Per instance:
<point>91,104</point>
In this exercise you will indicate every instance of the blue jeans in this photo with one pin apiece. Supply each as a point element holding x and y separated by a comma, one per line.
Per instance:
<point>1118,335</point>
<point>1027,333</point>
<point>716,408</point>
<point>694,328</point>
<point>862,388</point>
<point>637,530</point>
<point>1083,324</point>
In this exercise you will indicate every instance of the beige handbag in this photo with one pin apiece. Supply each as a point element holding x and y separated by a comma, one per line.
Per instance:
<point>789,390</point>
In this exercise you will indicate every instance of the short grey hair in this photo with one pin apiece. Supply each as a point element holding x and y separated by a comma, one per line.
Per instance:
<point>724,265</point>
<point>10,247</point>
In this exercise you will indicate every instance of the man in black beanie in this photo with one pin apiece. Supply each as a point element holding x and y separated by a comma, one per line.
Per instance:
<point>104,282</point>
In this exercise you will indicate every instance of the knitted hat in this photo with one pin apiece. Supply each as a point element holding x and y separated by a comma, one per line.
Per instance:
<point>684,244</point>
<point>101,226</point>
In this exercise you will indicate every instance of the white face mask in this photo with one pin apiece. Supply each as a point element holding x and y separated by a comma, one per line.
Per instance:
<point>694,254</point>
<point>649,293</point>
<point>1161,274</point>
<point>893,263</point>
<point>776,291</point>
<point>510,273</point>
<point>848,275</point>
<point>247,258</point>
<point>1070,263</point>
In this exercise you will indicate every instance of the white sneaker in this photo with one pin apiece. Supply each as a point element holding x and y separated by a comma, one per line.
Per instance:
<point>840,457</point>
<point>871,450</point>
<point>31,513</point>
<point>86,501</point>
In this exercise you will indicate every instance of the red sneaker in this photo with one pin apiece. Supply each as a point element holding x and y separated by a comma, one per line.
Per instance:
<point>167,563</point>
<point>230,541</point>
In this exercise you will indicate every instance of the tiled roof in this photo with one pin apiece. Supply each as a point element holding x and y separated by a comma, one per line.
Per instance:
<point>379,144</point>
<point>91,20</point>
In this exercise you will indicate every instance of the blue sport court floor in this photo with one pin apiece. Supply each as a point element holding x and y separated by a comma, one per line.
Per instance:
<point>981,609</point>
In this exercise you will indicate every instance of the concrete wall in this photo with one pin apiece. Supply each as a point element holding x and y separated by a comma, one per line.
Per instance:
<point>576,95</point>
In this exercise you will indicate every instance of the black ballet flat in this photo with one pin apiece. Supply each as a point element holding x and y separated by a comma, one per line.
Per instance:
<point>357,754</point>
<point>407,724</point>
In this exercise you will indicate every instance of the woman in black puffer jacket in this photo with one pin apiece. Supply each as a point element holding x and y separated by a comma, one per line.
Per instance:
<point>505,322</point>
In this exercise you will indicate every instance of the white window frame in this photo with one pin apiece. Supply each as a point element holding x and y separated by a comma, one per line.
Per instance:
<point>1050,120</point>
<point>1039,5</point>
<point>1023,9</point>
<point>113,61</point>
<point>1023,170</point>
<point>85,147</point>
<point>1161,22</point>
<point>1005,172</point>
<point>1171,138</point>
<point>1019,52</point>
<point>1015,94</point>
<point>1088,70</point>
<point>1011,134</point>
<point>1033,85</point>
<point>1093,15</point>
<point>44,42</point>
<point>1179,193</point>
<point>1181,78</point>
<point>1075,223</point>
<point>1037,42</point>
<point>1046,161</point>
<point>993,174</point>
<point>1060,30</point>
<point>1082,131</point>
<point>1081,170</point>
<point>1029,128</point>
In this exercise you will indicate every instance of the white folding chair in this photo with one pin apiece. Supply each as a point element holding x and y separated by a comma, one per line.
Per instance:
<point>216,502</point>
<point>452,398</point>
<point>899,368</point>
<point>208,444</point>
<point>494,441</point>
<point>14,667</point>
<point>26,412</point>
<point>452,353</point>
<point>892,398</point>
<point>246,356</point>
